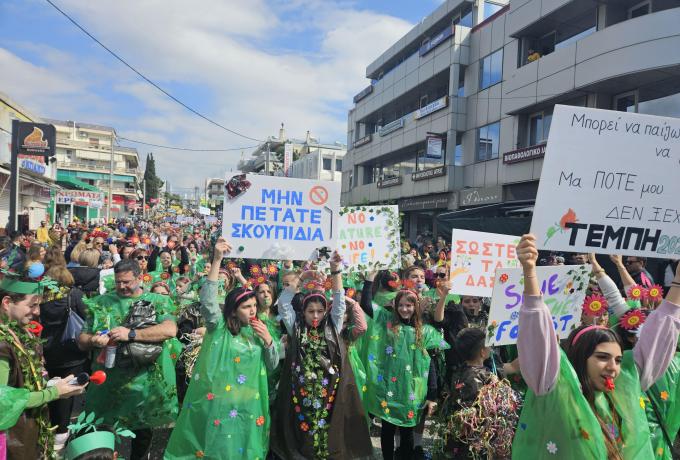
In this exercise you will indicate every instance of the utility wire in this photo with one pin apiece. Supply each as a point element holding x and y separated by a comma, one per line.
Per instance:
<point>112,53</point>
<point>186,149</point>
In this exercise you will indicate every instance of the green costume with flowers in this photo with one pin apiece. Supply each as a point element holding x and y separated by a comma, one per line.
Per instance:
<point>136,397</point>
<point>225,414</point>
<point>665,394</point>
<point>397,368</point>
<point>576,433</point>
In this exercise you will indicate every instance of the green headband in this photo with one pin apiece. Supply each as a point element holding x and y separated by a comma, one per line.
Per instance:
<point>13,284</point>
<point>90,442</point>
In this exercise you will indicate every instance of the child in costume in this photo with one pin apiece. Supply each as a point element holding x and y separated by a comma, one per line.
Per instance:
<point>319,411</point>
<point>593,391</point>
<point>401,378</point>
<point>24,422</point>
<point>225,414</point>
<point>90,440</point>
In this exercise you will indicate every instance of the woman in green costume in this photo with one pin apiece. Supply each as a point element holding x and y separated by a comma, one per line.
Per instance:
<point>24,422</point>
<point>225,414</point>
<point>592,393</point>
<point>401,380</point>
<point>319,411</point>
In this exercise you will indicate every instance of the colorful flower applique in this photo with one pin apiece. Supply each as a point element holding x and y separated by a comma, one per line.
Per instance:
<point>210,396</point>
<point>233,413</point>
<point>664,395</point>
<point>241,379</point>
<point>594,305</point>
<point>259,421</point>
<point>552,447</point>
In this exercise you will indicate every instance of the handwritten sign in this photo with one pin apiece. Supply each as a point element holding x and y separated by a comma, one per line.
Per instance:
<point>563,287</point>
<point>475,256</point>
<point>610,184</point>
<point>368,238</point>
<point>280,218</point>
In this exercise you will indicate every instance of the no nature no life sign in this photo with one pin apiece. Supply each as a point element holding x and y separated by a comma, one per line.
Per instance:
<point>610,184</point>
<point>280,218</point>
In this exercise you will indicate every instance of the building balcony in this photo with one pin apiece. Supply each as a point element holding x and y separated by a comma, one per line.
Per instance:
<point>644,51</point>
<point>100,168</point>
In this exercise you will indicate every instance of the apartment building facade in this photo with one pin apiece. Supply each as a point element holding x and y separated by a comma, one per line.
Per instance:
<point>88,159</point>
<point>456,117</point>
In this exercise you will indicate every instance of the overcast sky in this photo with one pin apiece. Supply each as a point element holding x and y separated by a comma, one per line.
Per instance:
<point>248,64</point>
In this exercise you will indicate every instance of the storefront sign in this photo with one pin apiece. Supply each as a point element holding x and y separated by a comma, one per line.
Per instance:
<point>434,147</point>
<point>422,203</point>
<point>389,182</point>
<point>436,40</point>
<point>35,138</point>
<point>363,141</point>
<point>33,163</point>
<point>363,93</point>
<point>80,198</point>
<point>525,154</point>
<point>479,196</point>
<point>391,127</point>
<point>432,107</point>
<point>429,173</point>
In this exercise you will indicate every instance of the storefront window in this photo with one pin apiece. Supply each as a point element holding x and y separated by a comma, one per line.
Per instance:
<point>488,141</point>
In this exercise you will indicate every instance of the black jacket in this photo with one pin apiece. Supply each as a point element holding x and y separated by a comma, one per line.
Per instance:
<point>53,317</point>
<point>86,279</point>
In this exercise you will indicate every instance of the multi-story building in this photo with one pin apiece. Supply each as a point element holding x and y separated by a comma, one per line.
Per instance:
<point>84,161</point>
<point>214,191</point>
<point>455,120</point>
<point>310,159</point>
<point>36,177</point>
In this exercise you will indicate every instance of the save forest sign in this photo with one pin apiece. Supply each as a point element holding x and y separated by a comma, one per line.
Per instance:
<point>610,184</point>
<point>267,217</point>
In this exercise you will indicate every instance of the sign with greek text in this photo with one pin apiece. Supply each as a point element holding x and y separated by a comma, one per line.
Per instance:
<point>475,256</point>
<point>368,238</point>
<point>563,287</point>
<point>204,210</point>
<point>610,184</point>
<point>80,198</point>
<point>268,217</point>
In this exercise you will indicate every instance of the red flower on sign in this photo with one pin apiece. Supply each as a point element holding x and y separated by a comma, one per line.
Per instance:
<point>503,278</point>
<point>568,218</point>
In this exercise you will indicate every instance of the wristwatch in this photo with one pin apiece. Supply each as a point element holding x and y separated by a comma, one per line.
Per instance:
<point>132,335</point>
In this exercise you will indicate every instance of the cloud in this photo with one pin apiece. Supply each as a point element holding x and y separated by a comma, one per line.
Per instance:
<point>248,64</point>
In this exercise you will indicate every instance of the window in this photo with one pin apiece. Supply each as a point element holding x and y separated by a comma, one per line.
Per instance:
<point>461,82</point>
<point>338,164</point>
<point>466,17</point>
<point>488,140</point>
<point>423,101</point>
<point>639,10</point>
<point>458,153</point>
<point>491,8</point>
<point>539,127</point>
<point>491,69</point>
<point>626,102</point>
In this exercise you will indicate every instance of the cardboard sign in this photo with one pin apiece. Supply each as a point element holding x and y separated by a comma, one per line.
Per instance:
<point>267,217</point>
<point>475,256</point>
<point>204,210</point>
<point>610,184</point>
<point>563,287</point>
<point>368,238</point>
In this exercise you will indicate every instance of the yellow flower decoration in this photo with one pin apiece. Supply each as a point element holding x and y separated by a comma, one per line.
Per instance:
<point>237,359</point>
<point>364,389</point>
<point>228,388</point>
<point>659,451</point>
<point>383,403</point>
<point>642,402</point>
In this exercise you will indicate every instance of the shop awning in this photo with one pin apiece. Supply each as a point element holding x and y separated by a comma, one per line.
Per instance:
<point>23,177</point>
<point>72,182</point>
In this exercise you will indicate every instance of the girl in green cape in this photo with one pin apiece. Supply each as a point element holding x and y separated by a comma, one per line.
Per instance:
<point>401,378</point>
<point>319,411</point>
<point>225,414</point>
<point>592,393</point>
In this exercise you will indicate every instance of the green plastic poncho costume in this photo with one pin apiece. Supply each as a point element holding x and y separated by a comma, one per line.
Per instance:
<point>397,368</point>
<point>225,414</point>
<point>665,395</point>
<point>576,434</point>
<point>135,397</point>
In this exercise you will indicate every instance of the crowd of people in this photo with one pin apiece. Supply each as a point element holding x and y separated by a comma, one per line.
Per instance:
<point>118,331</point>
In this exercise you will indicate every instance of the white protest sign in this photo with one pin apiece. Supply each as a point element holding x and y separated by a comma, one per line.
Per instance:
<point>267,217</point>
<point>204,210</point>
<point>368,238</point>
<point>475,256</point>
<point>610,184</point>
<point>563,287</point>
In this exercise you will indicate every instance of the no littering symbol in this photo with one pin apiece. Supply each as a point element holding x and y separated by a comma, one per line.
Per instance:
<point>318,195</point>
